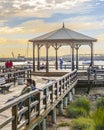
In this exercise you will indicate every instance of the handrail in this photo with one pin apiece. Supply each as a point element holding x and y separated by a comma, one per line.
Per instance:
<point>45,100</point>
<point>52,66</point>
<point>16,74</point>
<point>98,75</point>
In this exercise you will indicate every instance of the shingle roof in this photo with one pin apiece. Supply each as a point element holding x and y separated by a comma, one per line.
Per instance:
<point>63,34</point>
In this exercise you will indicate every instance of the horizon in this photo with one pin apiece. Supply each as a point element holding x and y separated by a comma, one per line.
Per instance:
<point>63,56</point>
<point>21,21</point>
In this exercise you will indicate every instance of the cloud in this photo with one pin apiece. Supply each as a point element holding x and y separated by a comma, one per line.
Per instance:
<point>100,38</point>
<point>88,22</point>
<point>7,41</point>
<point>39,8</point>
<point>9,30</point>
<point>39,26</point>
<point>29,27</point>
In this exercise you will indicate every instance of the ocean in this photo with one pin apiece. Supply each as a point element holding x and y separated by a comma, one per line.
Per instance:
<point>52,63</point>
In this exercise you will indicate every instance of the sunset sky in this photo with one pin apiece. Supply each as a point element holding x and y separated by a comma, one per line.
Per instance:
<point>21,20</point>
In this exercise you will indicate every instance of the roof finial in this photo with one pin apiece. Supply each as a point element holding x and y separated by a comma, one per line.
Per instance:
<point>63,25</point>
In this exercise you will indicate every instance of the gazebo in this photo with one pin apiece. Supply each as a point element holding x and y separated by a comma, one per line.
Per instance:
<point>58,38</point>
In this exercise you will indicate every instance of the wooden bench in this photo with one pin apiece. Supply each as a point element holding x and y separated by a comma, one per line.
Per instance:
<point>4,86</point>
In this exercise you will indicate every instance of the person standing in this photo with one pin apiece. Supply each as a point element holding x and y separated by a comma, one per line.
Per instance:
<point>10,64</point>
<point>7,64</point>
<point>61,63</point>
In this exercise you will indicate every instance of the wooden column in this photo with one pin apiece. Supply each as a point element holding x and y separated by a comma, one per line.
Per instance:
<point>56,47</point>
<point>56,60</point>
<point>92,61</point>
<point>44,124</point>
<point>33,57</point>
<point>47,64</point>
<point>72,46</point>
<point>77,58</point>
<point>54,115</point>
<point>61,107</point>
<point>65,102</point>
<point>77,47</point>
<point>38,62</point>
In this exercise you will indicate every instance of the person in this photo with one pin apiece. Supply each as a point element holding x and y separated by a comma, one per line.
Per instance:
<point>28,87</point>
<point>90,69</point>
<point>7,64</point>
<point>61,63</point>
<point>34,85</point>
<point>42,66</point>
<point>30,84</point>
<point>10,64</point>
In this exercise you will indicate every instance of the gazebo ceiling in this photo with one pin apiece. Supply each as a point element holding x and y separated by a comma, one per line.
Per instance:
<point>63,34</point>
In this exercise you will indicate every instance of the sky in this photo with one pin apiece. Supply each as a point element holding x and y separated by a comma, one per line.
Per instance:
<point>21,20</point>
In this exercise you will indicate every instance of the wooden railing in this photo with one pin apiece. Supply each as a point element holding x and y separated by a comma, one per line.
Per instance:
<point>13,75</point>
<point>98,76</point>
<point>80,67</point>
<point>51,66</point>
<point>16,67</point>
<point>36,110</point>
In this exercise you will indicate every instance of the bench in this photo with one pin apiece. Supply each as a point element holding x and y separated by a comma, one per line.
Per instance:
<point>4,86</point>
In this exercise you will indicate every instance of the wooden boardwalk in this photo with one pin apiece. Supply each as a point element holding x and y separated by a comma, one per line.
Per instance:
<point>55,94</point>
<point>52,95</point>
<point>96,78</point>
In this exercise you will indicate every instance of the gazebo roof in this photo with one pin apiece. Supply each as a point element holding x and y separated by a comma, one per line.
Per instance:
<point>63,34</point>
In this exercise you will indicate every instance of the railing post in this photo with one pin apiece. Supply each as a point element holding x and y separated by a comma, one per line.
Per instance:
<point>68,81</point>
<point>24,74</point>
<point>63,85</point>
<point>27,73</point>
<point>15,120</point>
<point>57,90</point>
<point>38,106</point>
<point>46,93</point>
<point>14,75</point>
<point>60,87</point>
<point>29,110</point>
<point>30,73</point>
<point>52,94</point>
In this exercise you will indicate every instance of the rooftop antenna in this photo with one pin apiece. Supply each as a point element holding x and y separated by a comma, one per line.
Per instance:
<point>63,25</point>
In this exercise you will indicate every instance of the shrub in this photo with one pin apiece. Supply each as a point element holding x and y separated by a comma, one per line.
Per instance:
<point>98,117</point>
<point>74,112</point>
<point>82,123</point>
<point>78,108</point>
<point>100,103</point>
<point>83,102</point>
